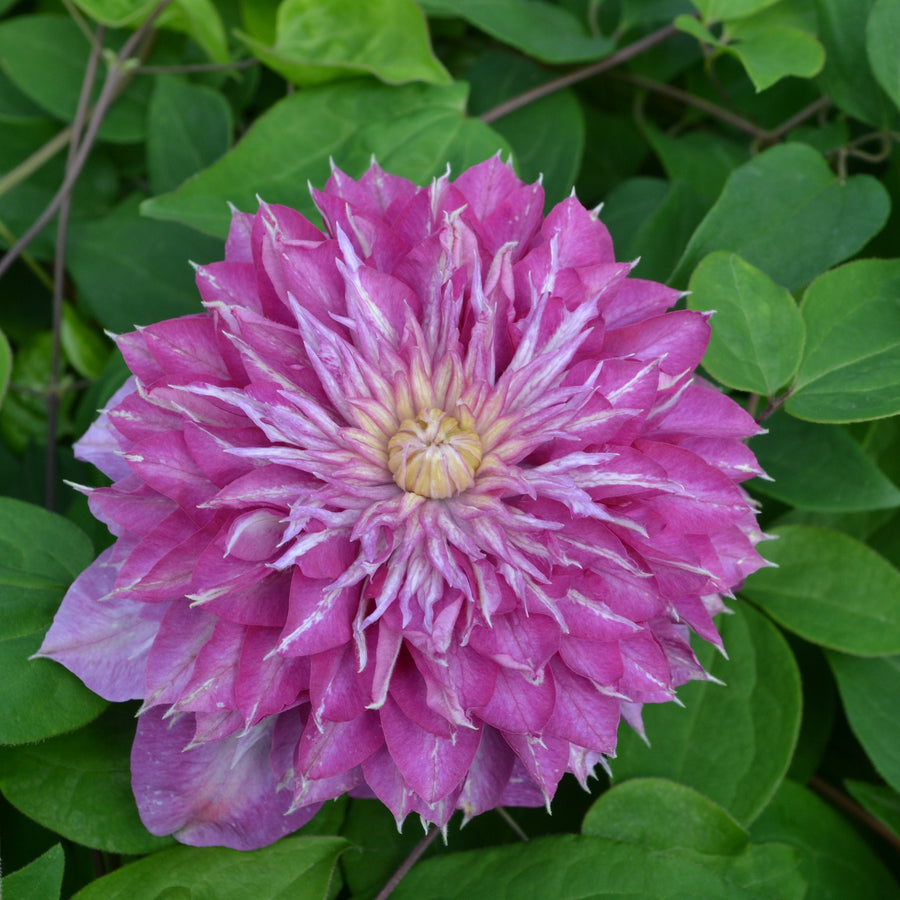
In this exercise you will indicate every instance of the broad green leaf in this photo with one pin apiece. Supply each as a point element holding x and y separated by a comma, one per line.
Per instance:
<point>133,271</point>
<point>534,130</point>
<point>702,159</point>
<point>757,329</point>
<point>413,130</point>
<point>41,878</point>
<point>869,689</point>
<point>830,589</point>
<point>84,347</point>
<point>6,361</point>
<point>663,815</point>
<point>847,78</point>
<point>722,10</point>
<point>79,785</point>
<point>320,40</point>
<point>40,554</point>
<point>882,802</point>
<point>882,40</point>
<point>752,722</point>
<point>770,54</point>
<point>200,20</point>
<point>575,867</point>
<point>539,29</point>
<point>803,221</point>
<point>14,105</point>
<point>819,467</point>
<point>692,26</point>
<point>23,415</point>
<point>651,219</point>
<point>45,57</point>
<point>301,868</point>
<point>197,18</point>
<point>651,12</point>
<point>117,13</point>
<point>834,859</point>
<point>189,128</point>
<point>851,362</point>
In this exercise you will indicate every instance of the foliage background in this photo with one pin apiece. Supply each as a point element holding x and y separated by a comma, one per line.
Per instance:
<point>744,149</point>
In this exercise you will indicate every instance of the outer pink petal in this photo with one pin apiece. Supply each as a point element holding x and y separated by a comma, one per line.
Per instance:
<point>218,793</point>
<point>105,642</point>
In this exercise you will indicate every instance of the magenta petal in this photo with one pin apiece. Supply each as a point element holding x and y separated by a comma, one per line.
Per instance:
<point>218,793</point>
<point>105,642</point>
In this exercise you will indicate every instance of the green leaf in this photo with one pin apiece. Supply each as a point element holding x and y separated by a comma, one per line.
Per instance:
<point>14,105</point>
<point>41,878</point>
<point>413,130</point>
<point>300,868</point>
<point>40,554</point>
<point>117,13</point>
<point>200,20</point>
<point>534,130</point>
<point>320,40</point>
<point>753,721</point>
<point>802,223</point>
<point>79,785</point>
<point>84,348</point>
<point>834,859</point>
<point>723,10</point>
<point>702,159</point>
<point>819,467</point>
<point>882,40</point>
<point>651,219</point>
<point>830,589</point>
<point>575,867</point>
<point>45,57</point>
<point>770,54</point>
<point>541,30</point>
<point>189,128</point>
<point>662,815</point>
<point>882,802</point>
<point>851,363</point>
<point>132,271</point>
<point>6,362</point>
<point>757,331</point>
<point>846,78</point>
<point>869,689</point>
<point>197,18</point>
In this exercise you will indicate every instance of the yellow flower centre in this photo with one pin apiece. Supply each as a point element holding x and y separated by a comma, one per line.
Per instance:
<point>435,455</point>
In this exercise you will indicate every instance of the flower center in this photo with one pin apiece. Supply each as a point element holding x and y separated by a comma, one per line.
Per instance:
<point>434,454</point>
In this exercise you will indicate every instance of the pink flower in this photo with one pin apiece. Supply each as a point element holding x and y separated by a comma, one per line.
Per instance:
<point>416,509</point>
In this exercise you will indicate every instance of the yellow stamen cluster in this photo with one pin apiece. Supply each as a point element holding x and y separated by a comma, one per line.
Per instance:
<point>435,454</point>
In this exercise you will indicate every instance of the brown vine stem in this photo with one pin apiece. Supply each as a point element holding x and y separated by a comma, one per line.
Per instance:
<point>841,800</point>
<point>408,863</point>
<point>59,268</point>
<point>550,87</point>
<point>119,72</point>
<point>718,112</point>
<point>196,67</point>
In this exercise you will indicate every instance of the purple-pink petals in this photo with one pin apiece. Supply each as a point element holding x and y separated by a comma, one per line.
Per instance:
<point>418,508</point>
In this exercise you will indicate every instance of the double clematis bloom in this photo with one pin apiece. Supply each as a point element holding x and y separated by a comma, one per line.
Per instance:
<point>418,508</point>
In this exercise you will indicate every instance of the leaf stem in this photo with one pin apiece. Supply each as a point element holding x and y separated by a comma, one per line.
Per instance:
<point>841,800</point>
<point>408,863</point>
<point>550,87</point>
<point>196,67</point>
<point>82,113</point>
<point>29,166</point>
<point>116,77</point>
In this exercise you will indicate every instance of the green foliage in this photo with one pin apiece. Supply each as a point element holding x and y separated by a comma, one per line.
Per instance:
<point>755,717</point>
<point>830,589</point>
<point>41,878</point>
<point>742,149</point>
<point>296,868</point>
